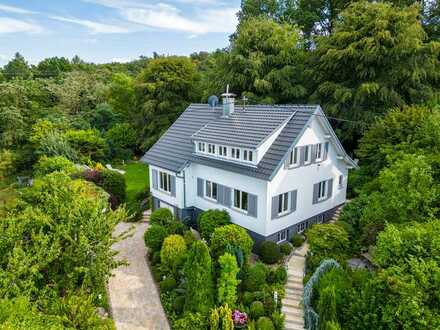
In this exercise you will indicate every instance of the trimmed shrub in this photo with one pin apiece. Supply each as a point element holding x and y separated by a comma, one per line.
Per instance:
<point>255,278</point>
<point>154,237</point>
<point>277,275</point>
<point>173,252</point>
<point>248,298</point>
<point>220,318</point>
<point>269,252</point>
<point>161,217</point>
<point>198,275</point>
<point>210,220</point>
<point>227,282</point>
<point>297,240</point>
<point>332,325</point>
<point>168,284</point>
<point>48,165</point>
<point>191,321</point>
<point>231,236</point>
<point>278,320</point>
<point>256,310</point>
<point>286,248</point>
<point>189,237</point>
<point>114,183</point>
<point>327,306</point>
<point>179,304</point>
<point>264,323</point>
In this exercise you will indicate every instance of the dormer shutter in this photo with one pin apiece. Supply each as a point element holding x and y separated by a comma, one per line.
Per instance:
<point>301,156</point>
<point>313,153</point>
<point>199,187</point>
<point>155,178</point>
<point>324,157</point>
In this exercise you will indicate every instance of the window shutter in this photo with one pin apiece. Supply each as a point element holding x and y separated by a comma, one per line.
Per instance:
<point>330,188</point>
<point>223,197</point>
<point>325,151</point>
<point>220,194</point>
<point>154,176</point>
<point>315,193</point>
<point>293,196</point>
<point>199,187</point>
<point>301,156</point>
<point>313,153</point>
<point>275,206</point>
<point>227,196</point>
<point>173,185</point>
<point>286,162</point>
<point>253,205</point>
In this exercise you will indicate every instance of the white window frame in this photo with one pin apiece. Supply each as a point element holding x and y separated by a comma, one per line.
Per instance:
<point>248,155</point>
<point>322,190</point>
<point>341,181</point>
<point>201,146</point>
<point>309,158</point>
<point>251,155</point>
<point>209,192</point>
<point>282,238</point>
<point>302,226</point>
<point>241,194</point>
<point>294,153</point>
<point>235,153</point>
<point>318,154</point>
<point>283,202</point>
<point>211,148</point>
<point>165,182</point>
<point>222,151</point>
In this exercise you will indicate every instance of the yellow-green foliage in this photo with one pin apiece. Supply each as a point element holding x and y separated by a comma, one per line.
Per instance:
<point>173,252</point>
<point>227,282</point>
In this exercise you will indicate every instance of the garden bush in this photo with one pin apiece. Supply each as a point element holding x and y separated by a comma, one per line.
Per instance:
<point>255,277</point>
<point>191,321</point>
<point>210,220</point>
<point>173,252</point>
<point>247,298</point>
<point>189,237</point>
<point>286,248</point>
<point>297,240</point>
<point>264,323</point>
<point>269,252</point>
<point>114,183</point>
<point>48,165</point>
<point>326,308</point>
<point>227,282</point>
<point>168,284</point>
<point>278,320</point>
<point>256,310</point>
<point>231,236</point>
<point>277,275</point>
<point>179,304</point>
<point>161,216</point>
<point>154,237</point>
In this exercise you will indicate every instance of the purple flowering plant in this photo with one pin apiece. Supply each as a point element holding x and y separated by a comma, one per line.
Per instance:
<point>239,318</point>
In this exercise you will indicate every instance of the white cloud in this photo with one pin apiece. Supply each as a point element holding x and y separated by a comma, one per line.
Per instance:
<point>15,10</point>
<point>94,27</point>
<point>121,59</point>
<point>12,25</point>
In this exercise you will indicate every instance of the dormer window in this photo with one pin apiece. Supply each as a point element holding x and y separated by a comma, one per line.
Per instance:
<point>211,148</point>
<point>307,159</point>
<point>223,151</point>
<point>235,153</point>
<point>201,147</point>
<point>294,157</point>
<point>319,151</point>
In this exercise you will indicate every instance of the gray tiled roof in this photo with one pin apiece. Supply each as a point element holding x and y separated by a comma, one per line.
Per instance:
<point>175,148</point>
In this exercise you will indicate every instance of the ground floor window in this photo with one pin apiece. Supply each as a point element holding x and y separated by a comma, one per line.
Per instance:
<point>322,190</point>
<point>282,236</point>
<point>211,190</point>
<point>302,226</point>
<point>240,200</point>
<point>320,218</point>
<point>283,203</point>
<point>165,181</point>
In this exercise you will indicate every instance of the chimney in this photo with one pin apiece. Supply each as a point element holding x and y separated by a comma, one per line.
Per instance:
<point>228,100</point>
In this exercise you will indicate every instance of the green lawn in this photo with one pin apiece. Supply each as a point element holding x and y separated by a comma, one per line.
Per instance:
<point>137,179</point>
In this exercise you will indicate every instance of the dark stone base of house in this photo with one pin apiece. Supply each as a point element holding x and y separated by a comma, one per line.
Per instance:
<point>189,216</point>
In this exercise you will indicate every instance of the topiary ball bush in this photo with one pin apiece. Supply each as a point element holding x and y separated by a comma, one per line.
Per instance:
<point>210,220</point>
<point>161,217</point>
<point>269,252</point>
<point>154,237</point>
<point>286,248</point>
<point>297,240</point>
<point>255,278</point>
<point>168,284</point>
<point>248,298</point>
<point>256,310</point>
<point>231,236</point>
<point>264,323</point>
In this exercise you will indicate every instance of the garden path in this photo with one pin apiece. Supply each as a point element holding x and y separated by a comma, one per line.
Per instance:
<point>133,295</point>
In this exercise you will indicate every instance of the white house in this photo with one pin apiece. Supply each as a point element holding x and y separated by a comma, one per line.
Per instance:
<point>275,169</point>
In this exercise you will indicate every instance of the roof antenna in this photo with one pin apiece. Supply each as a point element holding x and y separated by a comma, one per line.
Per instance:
<point>244,99</point>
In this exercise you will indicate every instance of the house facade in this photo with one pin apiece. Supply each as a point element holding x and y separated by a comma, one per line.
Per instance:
<point>275,169</point>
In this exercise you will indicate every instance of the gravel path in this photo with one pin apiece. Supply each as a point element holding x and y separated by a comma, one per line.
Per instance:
<point>134,298</point>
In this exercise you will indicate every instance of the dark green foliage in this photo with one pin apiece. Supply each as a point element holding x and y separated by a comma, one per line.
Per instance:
<point>255,277</point>
<point>154,237</point>
<point>198,275</point>
<point>52,67</point>
<point>17,68</point>
<point>297,240</point>
<point>122,140</point>
<point>269,252</point>
<point>277,275</point>
<point>286,248</point>
<point>179,304</point>
<point>231,236</point>
<point>88,143</point>
<point>114,183</point>
<point>210,220</point>
<point>161,217</point>
<point>256,310</point>
<point>264,323</point>
<point>168,284</point>
<point>278,320</point>
<point>326,306</point>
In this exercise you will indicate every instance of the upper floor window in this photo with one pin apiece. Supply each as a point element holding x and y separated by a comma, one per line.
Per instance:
<point>307,158</point>
<point>322,190</point>
<point>211,190</point>
<point>341,181</point>
<point>240,200</point>
<point>165,181</point>
<point>235,153</point>
<point>211,148</point>
<point>283,203</point>
<point>223,151</point>
<point>201,147</point>
<point>294,159</point>
<point>248,155</point>
<point>318,151</point>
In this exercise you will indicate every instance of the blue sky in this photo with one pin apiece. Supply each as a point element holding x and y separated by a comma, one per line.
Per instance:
<point>113,30</point>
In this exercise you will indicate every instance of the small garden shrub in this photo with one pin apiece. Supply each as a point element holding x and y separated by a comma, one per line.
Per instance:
<point>189,237</point>
<point>179,304</point>
<point>173,252</point>
<point>227,282</point>
<point>157,273</point>
<point>278,320</point>
<point>286,248</point>
<point>297,240</point>
<point>154,237</point>
<point>269,252</point>
<point>277,275</point>
<point>264,323</point>
<point>48,165</point>
<point>161,217</point>
<point>168,284</point>
<point>231,236</point>
<point>210,220</point>
<point>191,321</point>
<point>256,310</point>
<point>155,257</point>
<point>114,183</point>
<point>255,277</point>
<point>248,298</point>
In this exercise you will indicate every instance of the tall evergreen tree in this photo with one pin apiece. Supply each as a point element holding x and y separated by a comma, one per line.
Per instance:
<point>17,68</point>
